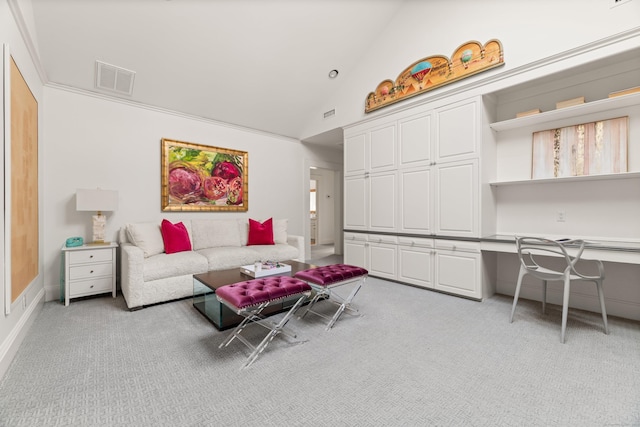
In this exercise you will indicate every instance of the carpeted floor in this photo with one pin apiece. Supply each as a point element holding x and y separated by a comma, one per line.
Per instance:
<point>415,357</point>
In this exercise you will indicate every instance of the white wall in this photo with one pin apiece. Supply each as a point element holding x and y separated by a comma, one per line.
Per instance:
<point>528,31</point>
<point>14,326</point>
<point>94,142</point>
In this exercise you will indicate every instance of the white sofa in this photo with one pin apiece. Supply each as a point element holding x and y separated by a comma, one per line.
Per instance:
<point>149,275</point>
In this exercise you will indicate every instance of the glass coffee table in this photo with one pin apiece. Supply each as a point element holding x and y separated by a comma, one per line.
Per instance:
<point>205,301</point>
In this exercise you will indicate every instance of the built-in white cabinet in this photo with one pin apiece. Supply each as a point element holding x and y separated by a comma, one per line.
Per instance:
<point>382,256</point>
<point>355,250</point>
<point>415,135</point>
<point>355,154</point>
<point>457,131</point>
<point>371,149</point>
<point>415,206</point>
<point>451,266</point>
<point>456,193</point>
<point>415,261</point>
<point>416,173</point>
<point>457,268</point>
<point>382,189</point>
<point>356,202</point>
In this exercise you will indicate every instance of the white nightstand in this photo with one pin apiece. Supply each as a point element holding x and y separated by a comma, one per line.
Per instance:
<point>88,270</point>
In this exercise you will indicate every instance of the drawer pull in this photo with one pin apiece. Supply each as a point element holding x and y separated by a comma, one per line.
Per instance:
<point>91,286</point>
<point>91,272</point>
<point>90,256</point>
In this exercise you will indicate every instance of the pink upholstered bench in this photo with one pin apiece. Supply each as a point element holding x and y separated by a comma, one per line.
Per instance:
<point>325,279</point>
<point>250,298</point>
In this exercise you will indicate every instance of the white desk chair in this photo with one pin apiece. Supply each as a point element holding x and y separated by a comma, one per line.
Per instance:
<point>528,247</point>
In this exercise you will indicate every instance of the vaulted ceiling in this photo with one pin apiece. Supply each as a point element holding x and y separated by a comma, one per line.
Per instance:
<point>261,64</point>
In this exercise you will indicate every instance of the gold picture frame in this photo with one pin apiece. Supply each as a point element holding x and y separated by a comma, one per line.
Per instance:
<point>198,178</point>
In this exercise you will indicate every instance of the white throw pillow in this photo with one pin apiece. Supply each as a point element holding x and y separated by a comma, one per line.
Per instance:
<point>280,231</point>
<point>147,236</point>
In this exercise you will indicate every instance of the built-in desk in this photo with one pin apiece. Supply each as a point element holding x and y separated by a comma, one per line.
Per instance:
<point>605,250</point>
<point>622,287</point>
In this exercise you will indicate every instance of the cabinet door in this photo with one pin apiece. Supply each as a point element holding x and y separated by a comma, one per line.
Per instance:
<point>356,207</point>
<point>457,131</point>
<point>415,263</point>
<point>382,148</point>
<point>382,201</point>
<point>355,252</point>
<point>355,154</point>
<point>382,260</point>
<point>456,199</point>
<point>415,206</point>
<point>458,272</point>
<point>414,141</point>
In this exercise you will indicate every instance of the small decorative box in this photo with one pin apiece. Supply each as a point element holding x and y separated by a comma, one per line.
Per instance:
<point>267,269</point>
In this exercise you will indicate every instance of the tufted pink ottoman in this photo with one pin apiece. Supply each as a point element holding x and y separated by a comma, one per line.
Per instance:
<point>325,279</point>
<point>249,298</point>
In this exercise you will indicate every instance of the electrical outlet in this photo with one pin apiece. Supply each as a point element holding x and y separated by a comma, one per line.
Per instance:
<point>615,3</point>
<point>561,216</point>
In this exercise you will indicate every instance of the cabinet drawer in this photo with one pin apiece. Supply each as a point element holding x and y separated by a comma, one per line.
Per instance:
<point>458,245</point>
<point>89,287</point>
<point>383,238</point>
<point>96,255</point>
<point>90,271</point>
<point>357,237</point>
<point>417,242</point>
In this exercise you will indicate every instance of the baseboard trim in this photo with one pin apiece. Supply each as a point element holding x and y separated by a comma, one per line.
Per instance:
<point>10,346</point>
<point>615,307</point>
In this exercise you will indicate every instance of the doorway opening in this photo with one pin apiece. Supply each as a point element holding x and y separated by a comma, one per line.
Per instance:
<point>322,215</point>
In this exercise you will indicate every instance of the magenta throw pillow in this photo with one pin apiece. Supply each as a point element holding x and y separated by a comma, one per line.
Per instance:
<point>260,233</point>
<point>175,237</point>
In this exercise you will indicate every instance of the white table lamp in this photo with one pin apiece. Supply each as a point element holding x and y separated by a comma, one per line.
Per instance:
<point>97,200</point>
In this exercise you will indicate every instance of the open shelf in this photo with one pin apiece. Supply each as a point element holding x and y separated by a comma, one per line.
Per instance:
<point>583,178</point>
<point>568,112</point>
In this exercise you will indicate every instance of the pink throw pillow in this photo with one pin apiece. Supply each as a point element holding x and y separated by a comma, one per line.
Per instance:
<point>175,237</point>
<point>260,234</point>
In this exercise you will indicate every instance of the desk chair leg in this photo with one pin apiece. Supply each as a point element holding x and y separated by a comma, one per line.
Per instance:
<point>604,312</point>
<point>517,294</point>
<point>565,306</point>
<point>544,296</point>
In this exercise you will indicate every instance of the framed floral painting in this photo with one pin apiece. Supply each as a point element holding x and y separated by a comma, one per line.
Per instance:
<point>203,178</point>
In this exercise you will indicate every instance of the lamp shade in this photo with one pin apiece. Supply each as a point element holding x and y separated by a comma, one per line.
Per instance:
<point>96,200</point>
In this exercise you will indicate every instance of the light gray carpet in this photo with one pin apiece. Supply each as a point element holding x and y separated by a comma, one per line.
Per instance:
<point>415,358</point>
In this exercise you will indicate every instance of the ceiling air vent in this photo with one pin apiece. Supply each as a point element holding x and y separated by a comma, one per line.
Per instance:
<point>114,79</point>
<point>330,113</point>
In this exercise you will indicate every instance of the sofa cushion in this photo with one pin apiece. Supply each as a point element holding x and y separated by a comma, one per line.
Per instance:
<point>215,233</point>
<point>230,257</point>
<point>260,233</point>
<point>175,237</point>
<point>146,236</point>
<point>163,266</point>
<point>275,252</point>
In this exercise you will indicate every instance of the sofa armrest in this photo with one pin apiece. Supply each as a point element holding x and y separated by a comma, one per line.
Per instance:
<point>131,270</point>
<point>298,243</point>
